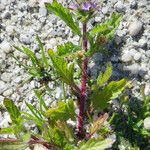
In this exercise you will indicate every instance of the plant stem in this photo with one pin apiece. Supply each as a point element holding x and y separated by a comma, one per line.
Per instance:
<point>83,96</point>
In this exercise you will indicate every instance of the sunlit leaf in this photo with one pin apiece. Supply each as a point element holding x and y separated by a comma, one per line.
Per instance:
<point>100,99</point>
<point>64,14</point>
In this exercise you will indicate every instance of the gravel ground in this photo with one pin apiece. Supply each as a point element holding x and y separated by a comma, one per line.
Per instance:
<point>21,20</point>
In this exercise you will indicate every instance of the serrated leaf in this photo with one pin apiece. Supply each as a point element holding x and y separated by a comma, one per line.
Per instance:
<point>42,51</point>
<point>62,69</point>
<point>64,14</point>
<point>12,109</point>
<point>94,144</point>
<point>100,99</point>
<point>103,78</point>
<point>108,27</point>
<point>67,49</point>
<point>63,112</point>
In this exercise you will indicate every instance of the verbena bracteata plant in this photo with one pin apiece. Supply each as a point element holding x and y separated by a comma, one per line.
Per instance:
<point>92,96</point>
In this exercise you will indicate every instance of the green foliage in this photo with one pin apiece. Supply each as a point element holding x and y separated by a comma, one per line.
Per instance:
<point>101,34</point>
<point>103,78</point>
<point>95,144</point>
<point>100,98</point>
<point>13,146</point>
<point>130,131</point>
<point>43,53</point>
<point>39,67</point>
<point>63,112</point>
<point>107,28</point>
<point>64,14</point>
<point>12,109</point>
<point>68,49</point>
<point>64,71</point>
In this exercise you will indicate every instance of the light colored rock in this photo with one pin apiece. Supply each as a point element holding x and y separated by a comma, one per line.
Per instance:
<point>24,39</point>
<point>147,123</point>
<point>43,11</point>
<point>135,27</point>
<point>10,29</point>
<point>3,86</point>
<point>142,43</point>
<point>147,89</point>
<point>137,56</point>
<point>6,77</point>
<point>126,57</point>
<point>32,3</point>
<point>53,42</point>
<point>6,120</point>
<point>147,53</point>
<point>5,47</point>
<point>119,6</point>
<point>8,92</point>
<point>134,68</point>
<point>98,19</point>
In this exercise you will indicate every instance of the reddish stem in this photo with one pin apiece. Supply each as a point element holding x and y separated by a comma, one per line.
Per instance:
<point>83,96</point>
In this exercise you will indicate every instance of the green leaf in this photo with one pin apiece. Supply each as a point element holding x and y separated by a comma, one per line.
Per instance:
<point>12,109</point>
<point>62,69</point>
<point>42,103</point>
<point>30,117</point>
<point>63,112</point>
<point>103,78</point>
<point>34,111</point>
<point>64,14</point>
<point>13,146</point>
<point>32,56</point>
<point>67,49</point>
<point>94,144</point>
<point>7,131</point>
<point>43,53</point>
<point>108,27</point>
<point>100,99</point>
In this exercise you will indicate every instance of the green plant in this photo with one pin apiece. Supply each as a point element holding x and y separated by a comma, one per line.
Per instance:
<point>92,96</point>
<point>130,131</point>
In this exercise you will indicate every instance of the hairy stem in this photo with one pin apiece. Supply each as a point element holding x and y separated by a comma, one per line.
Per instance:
<point>83,96</point>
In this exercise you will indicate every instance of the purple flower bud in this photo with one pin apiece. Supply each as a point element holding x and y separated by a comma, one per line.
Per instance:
<point>86,6</point>
<point>74,7</point>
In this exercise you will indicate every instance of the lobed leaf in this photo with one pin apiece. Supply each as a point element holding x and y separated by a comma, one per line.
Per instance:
<point>64,14</point>
<point>100,99</point>
<point>108,27</point>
